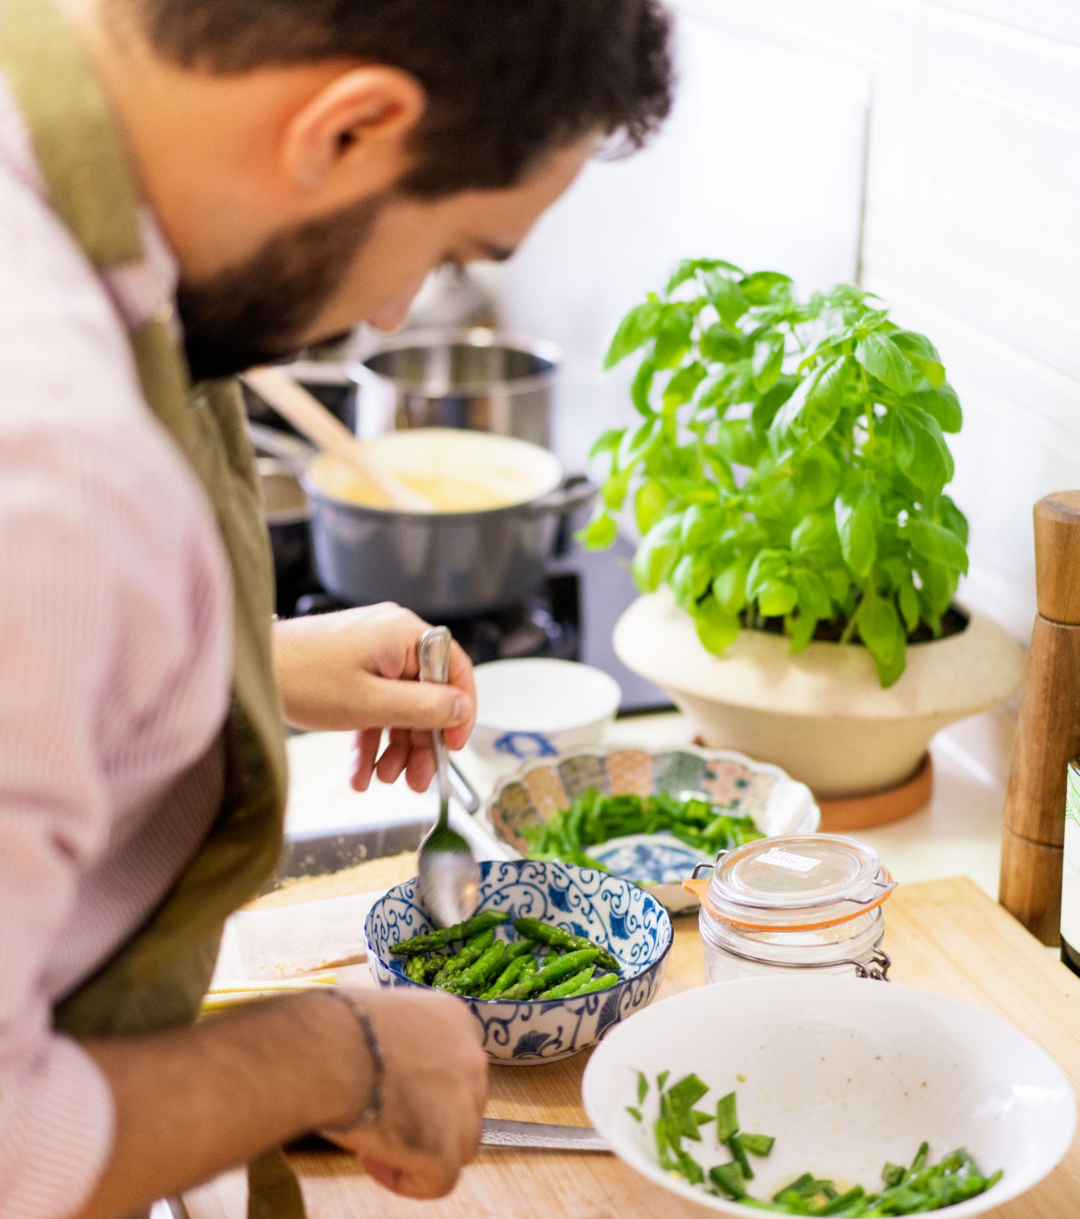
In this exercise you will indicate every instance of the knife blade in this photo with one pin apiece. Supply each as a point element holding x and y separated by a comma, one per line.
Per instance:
<point>499,1133</point>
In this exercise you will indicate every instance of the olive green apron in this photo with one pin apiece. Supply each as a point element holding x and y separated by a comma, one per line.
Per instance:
<point>159,977</point>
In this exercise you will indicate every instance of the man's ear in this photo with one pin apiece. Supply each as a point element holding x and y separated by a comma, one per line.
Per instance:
<point>353,132</point>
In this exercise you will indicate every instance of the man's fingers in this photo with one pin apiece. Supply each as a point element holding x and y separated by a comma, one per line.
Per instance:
<point>421,766</point>
<point>413,704</point>
<point>364,757</point>
<point>395,756</point>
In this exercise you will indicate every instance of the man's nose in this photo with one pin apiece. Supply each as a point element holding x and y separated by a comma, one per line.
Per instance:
<point>393,316</point>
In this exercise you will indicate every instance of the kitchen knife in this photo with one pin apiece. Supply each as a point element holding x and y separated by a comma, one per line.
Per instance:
<point>498,1133</point>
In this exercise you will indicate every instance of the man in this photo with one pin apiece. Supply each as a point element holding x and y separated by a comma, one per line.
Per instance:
<point>187,189</point>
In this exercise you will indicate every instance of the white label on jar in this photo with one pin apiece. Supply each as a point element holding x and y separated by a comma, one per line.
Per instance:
<point>785,859</point>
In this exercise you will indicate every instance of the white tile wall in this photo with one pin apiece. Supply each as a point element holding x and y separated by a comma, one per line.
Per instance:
<point>971,227</point>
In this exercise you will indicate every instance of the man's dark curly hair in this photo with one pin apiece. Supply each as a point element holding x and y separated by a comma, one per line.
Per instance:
<point>507,81</point>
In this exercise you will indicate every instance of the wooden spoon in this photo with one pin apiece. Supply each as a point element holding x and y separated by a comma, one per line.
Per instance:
<point>327,433</point>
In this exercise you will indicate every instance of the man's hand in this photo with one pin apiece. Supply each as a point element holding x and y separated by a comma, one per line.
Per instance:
<point>435,1088</point>
<point>192,1102</point>
<point>358,669</point>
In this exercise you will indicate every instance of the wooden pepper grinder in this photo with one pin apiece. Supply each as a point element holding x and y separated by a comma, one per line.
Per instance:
<point>1048,734</point>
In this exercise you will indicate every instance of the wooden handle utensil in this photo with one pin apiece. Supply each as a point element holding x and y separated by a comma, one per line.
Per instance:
<point>326,432</point>
<point>1048,734</point>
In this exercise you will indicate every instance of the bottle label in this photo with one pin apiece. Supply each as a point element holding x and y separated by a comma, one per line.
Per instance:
<point>1070,871</point>
<point>786,859</point>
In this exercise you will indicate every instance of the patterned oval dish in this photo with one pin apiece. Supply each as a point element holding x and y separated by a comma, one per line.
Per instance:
<point>630,922</point>
<point>778,804</point>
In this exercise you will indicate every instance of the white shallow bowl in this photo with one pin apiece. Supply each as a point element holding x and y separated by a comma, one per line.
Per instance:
<point>846,1074</point>
<point>538,708</point>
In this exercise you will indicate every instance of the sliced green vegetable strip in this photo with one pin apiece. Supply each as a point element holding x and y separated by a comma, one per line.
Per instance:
<point>558,937</point>
<point>429,940</point>
<point>604,982</point>
<point>757,1144</point>
<point>729,1178</point>
<point>734,1145</point>
<point>554,971</point>
<point>727,1121</point>
<point>570,986</point>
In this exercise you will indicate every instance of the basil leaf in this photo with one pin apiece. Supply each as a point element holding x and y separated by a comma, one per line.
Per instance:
<point>673,336</point>
<point>881,358</point>
<point>650,500</point>
<point>681,387</point>
<point>939,545</point>
<point>943,404</point>
<point>767,359</point>
<point>600,532</point>
<point>719,346</point>
<point>879,627</point>
<point>641,386</point>
<point>729,587</point>
<point>656,555</point>
<point>810,412</point>
<point>759,287</point>
<point>922,353</point>
<point>607,441</point>
<point>726,298</point>
<point>636,328</point>
<point>857,517</point>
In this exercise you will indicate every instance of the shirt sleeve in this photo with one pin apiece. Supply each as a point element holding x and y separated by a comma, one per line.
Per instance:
<point>107,595</point>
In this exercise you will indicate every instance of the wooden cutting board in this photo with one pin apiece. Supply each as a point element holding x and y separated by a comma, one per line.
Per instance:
<point>946,936</point>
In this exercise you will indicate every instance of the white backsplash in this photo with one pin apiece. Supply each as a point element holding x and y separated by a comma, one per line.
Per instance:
<point>972,202</point>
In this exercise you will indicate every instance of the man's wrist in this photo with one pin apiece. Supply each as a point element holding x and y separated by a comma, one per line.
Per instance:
<point>344,1065</point>
<point>375,1083</point>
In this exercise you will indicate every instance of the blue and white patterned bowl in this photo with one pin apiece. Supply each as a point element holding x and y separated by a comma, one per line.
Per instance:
<point>626,919</point>
<point>779,805</point>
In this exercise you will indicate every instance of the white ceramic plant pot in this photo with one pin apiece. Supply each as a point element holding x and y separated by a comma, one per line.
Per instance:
<point>821,715</point>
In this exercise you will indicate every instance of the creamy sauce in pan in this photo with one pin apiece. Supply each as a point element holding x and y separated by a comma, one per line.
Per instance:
<point>447,493</point>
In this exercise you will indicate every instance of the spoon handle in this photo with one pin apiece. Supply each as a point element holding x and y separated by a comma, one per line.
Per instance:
<point>434,655</point>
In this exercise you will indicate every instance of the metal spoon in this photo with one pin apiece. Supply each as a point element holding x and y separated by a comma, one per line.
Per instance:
<point>449,876</point>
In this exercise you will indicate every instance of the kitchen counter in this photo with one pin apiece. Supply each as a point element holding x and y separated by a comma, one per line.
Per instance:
<point>958,833</point>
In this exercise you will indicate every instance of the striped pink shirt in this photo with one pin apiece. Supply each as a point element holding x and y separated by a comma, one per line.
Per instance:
<point>115,635</point>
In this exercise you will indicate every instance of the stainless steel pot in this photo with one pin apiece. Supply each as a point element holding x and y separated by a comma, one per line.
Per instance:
<point>476,378</point>
<point>443,564</point>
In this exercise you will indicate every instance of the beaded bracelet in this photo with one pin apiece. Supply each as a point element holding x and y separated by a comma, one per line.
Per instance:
<point>378,1062</point>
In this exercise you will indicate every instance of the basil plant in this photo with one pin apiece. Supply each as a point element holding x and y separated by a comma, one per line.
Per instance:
<point>789,468</point>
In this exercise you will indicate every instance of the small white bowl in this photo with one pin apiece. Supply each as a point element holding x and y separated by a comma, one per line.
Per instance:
<point>539,708</point>
<point>846,1074</point>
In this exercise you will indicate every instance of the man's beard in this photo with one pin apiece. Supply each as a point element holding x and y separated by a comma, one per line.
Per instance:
<point>261,311</point>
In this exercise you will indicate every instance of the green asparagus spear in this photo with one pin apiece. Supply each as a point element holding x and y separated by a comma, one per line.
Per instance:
<point>554,971</point>
<point>569,986</point>
<point>517,951</point>
<point>472,950</point>
<point>518,968</point>
<point>451,935</point>
<point>480,972</point>
<point>416,969</point>
<point>558,937</point>
<point>604,982</point>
